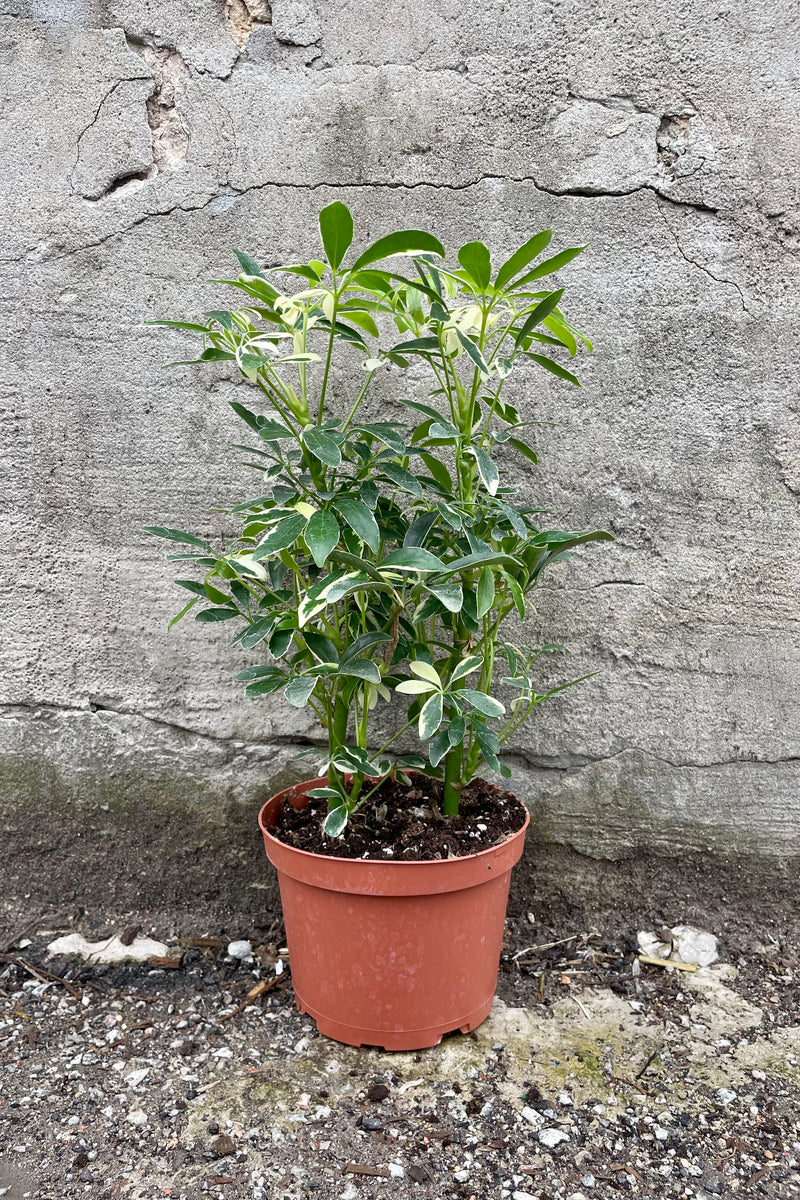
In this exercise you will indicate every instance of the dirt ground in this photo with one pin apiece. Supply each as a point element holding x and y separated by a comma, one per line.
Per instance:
<point>593,1077</point>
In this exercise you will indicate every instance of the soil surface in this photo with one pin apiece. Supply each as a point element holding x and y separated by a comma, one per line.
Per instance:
<point>406,823</point>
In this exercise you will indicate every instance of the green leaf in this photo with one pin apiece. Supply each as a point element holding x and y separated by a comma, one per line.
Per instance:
<point>186,608</point>
<point>212,354</point>
<point>360,520</point>
<point>335,822</point>
<point>364,321</point>
<point>542,310</point>
<point>430,717</point>
<point>485,591</point>
<point>299,689</point>
<point>516,593</point>
<point>479,559</point>
<point>415,687</point>
<point>365,642</point>
<point>248,417</point>
<point>361,668</point>
<point>449,593</point>
<point>285,534</point>
<point>555,368</point>
<point>407,241</point>
<point>438,747</point>
<point>257,632</point>
<point>265,687</point>
<point>419,529</point>
<point>386,432</point>
<point>430,607</point>
<point>474,258</point>
<point>412,558</point>
<point>249,265</point>
<point>474,352</point>
<point>179,325</point>
<point>322,446</point>
<point>324,793</point>
<point>520,258</point>
<point>424,670</point>
<point>487,705</point>
<point>321,535</point>
<point>550,265</point>
<point>175,535</point>
<point>262,671</point>
<point>336,227</point>
<point>456,730</point>
<point>321,646</point>
<point>401,478</point>
<point>523,449</point>
<point>466,667</point>
<point>421,345</point>
<point>217,614</point>
<point>486,469</point>
<point>439,472</point>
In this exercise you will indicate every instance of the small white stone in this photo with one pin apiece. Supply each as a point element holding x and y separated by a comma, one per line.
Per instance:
<point>552,1137</point>
<point>588,1180</point>
<point>223,1052</point>
<point>726,1095</point>
<point>240,949</point>
<point>396,1171</point>
<point>759,1075</point>
<point>530,1114</point>
<point>461,1176</point>
<point>523,1196</point>
<point>136,1077</point>
<point>137,1117</point>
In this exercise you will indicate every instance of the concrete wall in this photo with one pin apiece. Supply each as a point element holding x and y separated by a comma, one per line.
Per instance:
<point>142,140</point>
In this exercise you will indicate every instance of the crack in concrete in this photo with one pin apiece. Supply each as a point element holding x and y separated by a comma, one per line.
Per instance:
<point>237,192</point>
<point>106,97</point>
<point>701,266</point>
<point>580,762</point>
<point>564,763</point>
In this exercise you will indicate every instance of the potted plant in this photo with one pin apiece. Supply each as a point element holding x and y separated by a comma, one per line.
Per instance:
<point>380,565</point>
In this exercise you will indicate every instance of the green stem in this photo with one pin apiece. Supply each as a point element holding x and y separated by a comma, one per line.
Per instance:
<point>324,389</point>
<point>452,777</point>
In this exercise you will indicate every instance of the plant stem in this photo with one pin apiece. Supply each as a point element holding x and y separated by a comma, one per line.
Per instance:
<point>452,776</point>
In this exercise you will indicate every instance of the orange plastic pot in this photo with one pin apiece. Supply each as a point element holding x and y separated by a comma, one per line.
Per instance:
<point>391,954</point>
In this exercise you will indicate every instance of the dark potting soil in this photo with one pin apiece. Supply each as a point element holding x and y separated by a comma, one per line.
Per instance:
<point>399,822</point>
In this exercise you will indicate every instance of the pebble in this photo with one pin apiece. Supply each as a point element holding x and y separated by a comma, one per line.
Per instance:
<point>396,1171</point>
<point>588,1180</point>
<point>530,1114</point>
<point>552,1137</point>
<point>371,1123</point>
<point>461,1176</point>
<point>726,1095</point>
<point>137,1116</point>
<point>240,949</point>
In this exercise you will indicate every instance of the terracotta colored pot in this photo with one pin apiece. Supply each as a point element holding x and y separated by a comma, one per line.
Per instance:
<point>391,954</point>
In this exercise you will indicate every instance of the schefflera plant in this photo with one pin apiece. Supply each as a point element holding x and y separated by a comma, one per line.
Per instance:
<point>387,554</point>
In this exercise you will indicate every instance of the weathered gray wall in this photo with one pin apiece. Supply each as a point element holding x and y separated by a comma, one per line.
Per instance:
<point>142,140</point>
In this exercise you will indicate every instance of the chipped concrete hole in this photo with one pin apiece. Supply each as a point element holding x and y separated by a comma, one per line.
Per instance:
<point>167,129</point>
<point>672,138</point>
<point>137,131</point>
<point>243,16</point>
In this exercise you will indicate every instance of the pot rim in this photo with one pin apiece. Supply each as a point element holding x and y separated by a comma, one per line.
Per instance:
<point>309,855</point>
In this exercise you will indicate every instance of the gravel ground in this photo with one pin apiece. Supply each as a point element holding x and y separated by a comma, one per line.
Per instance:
<point>588,1080</point>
